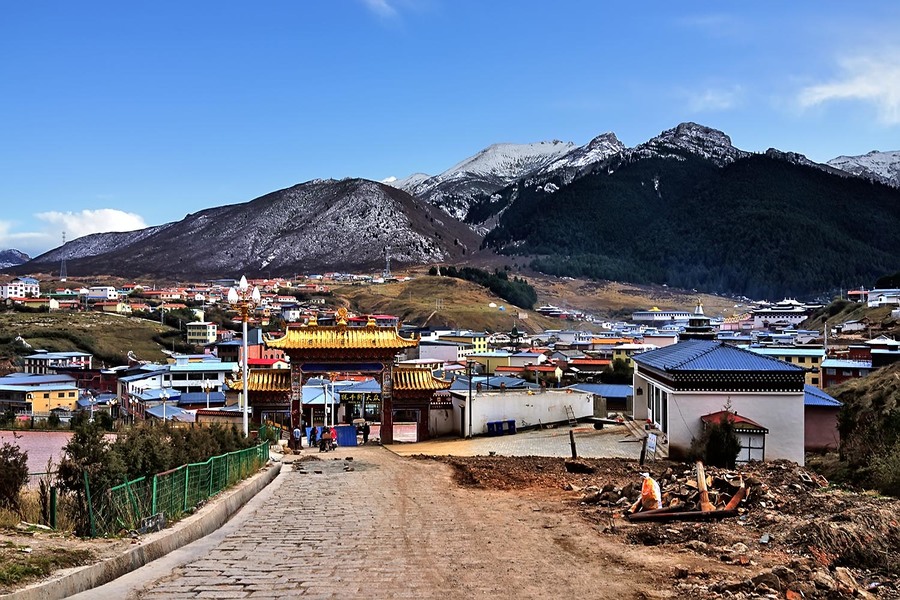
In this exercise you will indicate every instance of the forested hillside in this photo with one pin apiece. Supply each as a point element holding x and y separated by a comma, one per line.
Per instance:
<point>762,226</point>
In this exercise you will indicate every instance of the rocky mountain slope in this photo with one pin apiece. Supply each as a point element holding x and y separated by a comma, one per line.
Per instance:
<point>318,225</point>
<point>689,209</point>
<point>489,170</point>
<point>99,243</point>
<point>605,154</point>
<point>883,167</point>
<point>562,203</point>
<point>12,258</point>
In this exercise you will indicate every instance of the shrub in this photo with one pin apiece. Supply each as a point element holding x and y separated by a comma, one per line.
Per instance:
<point>13,475</point>
<point>88,457</point>
<point>104,420</point>
<point>718,445</point>
<point>886,471</point>
<point>53,420</point>
<point>617,372</point>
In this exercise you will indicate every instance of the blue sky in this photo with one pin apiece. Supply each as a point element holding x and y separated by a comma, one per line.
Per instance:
<point>119,115</point>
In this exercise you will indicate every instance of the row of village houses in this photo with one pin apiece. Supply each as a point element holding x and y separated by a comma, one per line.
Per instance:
<point>686,371</point>
<point>676,387</point>
<point>135,297</point>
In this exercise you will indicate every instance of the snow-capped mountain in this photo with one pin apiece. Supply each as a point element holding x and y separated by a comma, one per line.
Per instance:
<point>321,224</point>
<point>878,166</point>
<point>328,224</point>
<point>12,258</point>
<point>692,138</point>
<point>489,170</point>
<point>567,168</point>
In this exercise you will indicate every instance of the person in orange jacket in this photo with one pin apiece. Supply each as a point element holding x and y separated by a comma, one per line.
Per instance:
<point>651,498</point>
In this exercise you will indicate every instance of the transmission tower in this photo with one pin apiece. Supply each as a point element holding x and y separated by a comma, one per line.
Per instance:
<point>62,262</point>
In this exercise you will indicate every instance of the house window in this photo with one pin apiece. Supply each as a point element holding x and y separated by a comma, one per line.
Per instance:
<point>830,371</point>
<point>847,373</point>
<point>801,359</point>
<point>71,394</point>
<point>46,396</point>
<point>815,381</point>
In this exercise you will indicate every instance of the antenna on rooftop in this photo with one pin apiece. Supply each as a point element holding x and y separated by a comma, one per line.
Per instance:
<point>62,263</point>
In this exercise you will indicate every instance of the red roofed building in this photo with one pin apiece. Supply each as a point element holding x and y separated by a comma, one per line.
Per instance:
<point>751,434</point>
<point>546,374</point>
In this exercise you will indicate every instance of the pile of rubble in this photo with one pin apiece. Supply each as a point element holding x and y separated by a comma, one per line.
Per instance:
<point>822,541</point>
<point>791,534</point>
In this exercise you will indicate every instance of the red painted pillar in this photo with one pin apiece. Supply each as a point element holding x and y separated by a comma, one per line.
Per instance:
<point>387,407</point>
<point>296,396</point>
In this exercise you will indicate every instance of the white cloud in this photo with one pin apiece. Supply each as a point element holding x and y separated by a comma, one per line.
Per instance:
<point>715,98</point>
<point>382,8</point>
<point>78,224</point>
<point>75,224</point>
<point>873,79</point>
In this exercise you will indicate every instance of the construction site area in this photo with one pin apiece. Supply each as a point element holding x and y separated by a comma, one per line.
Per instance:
<point>790,534</point>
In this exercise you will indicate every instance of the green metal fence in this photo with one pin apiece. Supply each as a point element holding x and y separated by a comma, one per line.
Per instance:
<point>140,504</point>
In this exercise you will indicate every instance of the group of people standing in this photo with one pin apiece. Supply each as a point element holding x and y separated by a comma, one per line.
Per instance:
<point>326,441</point>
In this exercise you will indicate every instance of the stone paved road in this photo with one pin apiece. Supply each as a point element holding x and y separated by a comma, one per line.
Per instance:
<point>398,527</point>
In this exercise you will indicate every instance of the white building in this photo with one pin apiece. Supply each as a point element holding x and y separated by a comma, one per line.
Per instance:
<point>102,292</point>
<point>444,351</point>
<point>677,386</point>
<point>20,287</point>
<point>201,333</point>
<point>43,363</point>
<point>657,317</point>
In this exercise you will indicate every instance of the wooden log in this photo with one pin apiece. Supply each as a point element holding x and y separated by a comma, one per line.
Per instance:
<point>693,515</point>
<point>660,511</point>
<point>705,504</point>
<point>738,496</point>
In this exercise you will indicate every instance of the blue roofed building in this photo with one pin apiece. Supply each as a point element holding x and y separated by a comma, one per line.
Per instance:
<point>676,386</point>
<point>609,397</point>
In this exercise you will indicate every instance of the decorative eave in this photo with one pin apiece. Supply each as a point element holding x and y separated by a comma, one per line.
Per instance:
<point>313,336</point>
<point>739,422</point>
<point>418,379</point>
<point>728,381</point>
<point>264,380</point>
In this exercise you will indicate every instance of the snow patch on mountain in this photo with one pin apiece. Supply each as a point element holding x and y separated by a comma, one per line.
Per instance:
<point>99,243</point>
<point>878,166</point>
<point>706,142</point>
<point>568,167</point>
<point>12,258</point>
<point>484,173</point>
<point>317,225</point>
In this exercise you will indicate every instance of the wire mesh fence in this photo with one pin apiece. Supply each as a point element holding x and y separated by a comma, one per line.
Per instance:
<point>147,503</point>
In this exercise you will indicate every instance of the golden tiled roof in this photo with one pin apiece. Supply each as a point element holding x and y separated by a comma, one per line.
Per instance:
<point>339,337</point>
<point>264,380</point>
<point>418,378</point>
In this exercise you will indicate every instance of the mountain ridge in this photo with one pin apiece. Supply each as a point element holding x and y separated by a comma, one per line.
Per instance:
<point>350,223</point>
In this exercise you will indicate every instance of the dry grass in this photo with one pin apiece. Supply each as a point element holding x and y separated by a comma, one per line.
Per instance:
<point>30,511</point>
<point>20,563</point>
<point>95,332</point>
<point>455,303</point>
<point>443,302</point>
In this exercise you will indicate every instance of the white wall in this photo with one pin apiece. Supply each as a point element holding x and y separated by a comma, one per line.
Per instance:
<point>781,413</point>
<point>443,421</point>
<point>546,407</point>
<point>442,353</point>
